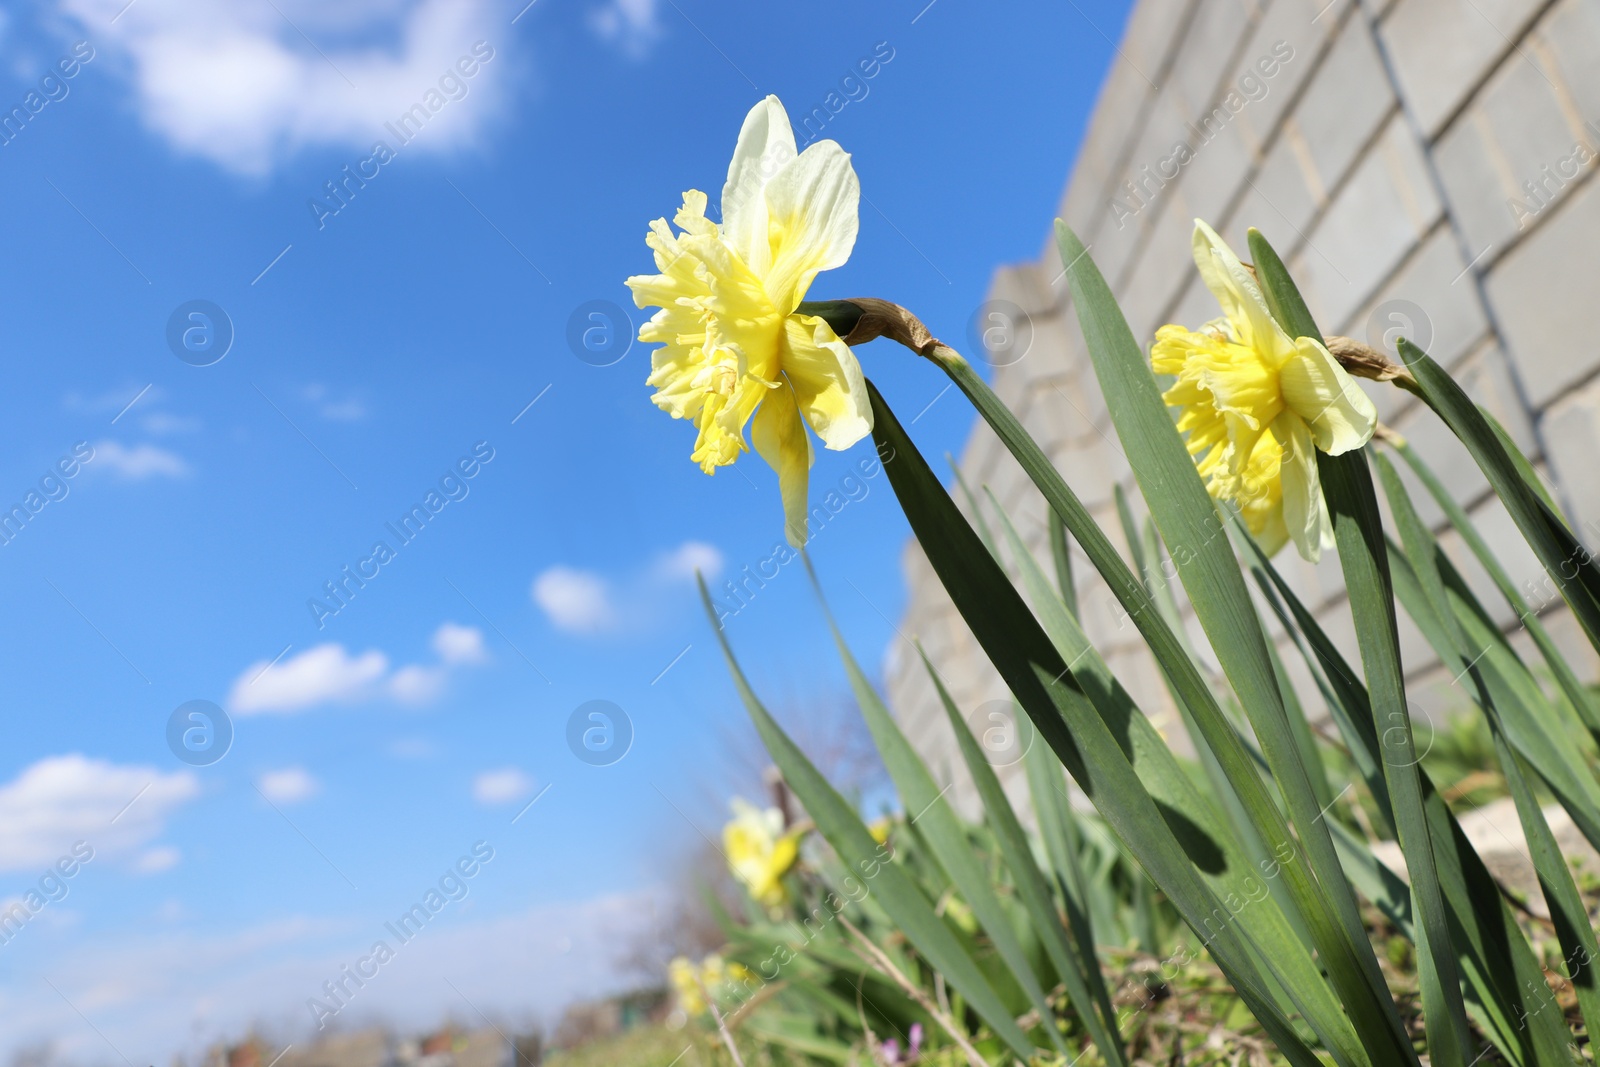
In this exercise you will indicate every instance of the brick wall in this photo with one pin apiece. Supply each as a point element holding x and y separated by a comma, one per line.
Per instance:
<point>1420,164</point>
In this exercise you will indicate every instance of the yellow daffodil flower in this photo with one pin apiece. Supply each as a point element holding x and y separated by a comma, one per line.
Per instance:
<point>759,852</point>
<point>879,829</point>
<point>1255,402</point>
<point>681,972</point>
<point>710,975</point>
<point>734,352</point>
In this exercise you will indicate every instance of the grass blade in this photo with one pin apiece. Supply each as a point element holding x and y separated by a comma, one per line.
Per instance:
<point>937,821</point>
<point>842,828</point>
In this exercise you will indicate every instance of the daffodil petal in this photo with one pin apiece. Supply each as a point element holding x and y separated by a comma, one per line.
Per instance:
<point>1305,514</point>
<point>827,380</point>
<point>778,433</point>
<point>812,206</point>
<point>1236,289</point>
<point>766,145</point>
<point>1322,393</point>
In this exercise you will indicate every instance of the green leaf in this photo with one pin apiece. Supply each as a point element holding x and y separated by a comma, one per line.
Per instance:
<point>1503,976</point>
<point>1577,695</point>
<point>842,827</point>
<point>1056,703</point>
<point>1189,522</point>
<point>1358,529</point>
<point>937,821</point>
<point>1063,561</point>
<point>1567,910</point>
<point>1074,959</point>
<point>1566,562</point>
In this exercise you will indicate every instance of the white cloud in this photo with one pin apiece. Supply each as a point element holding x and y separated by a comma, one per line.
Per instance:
<point>244,86</point>
<point>501,786</point>
<point>574,600</point>
<point>322,675</point>
<point>158,859</point>
<point>459,644</point>
<point>288,786</point>
<point>139,462</point>
<point>342,409</point>
<point>161,423</point>
<point>681,562</point>
<point>327,674</point>
<point>60,800</point>
<point>631,25</point>
<point>415,684</point>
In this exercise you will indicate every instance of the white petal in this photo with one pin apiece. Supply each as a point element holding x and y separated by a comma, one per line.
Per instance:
<point>812,219</point>
<point>827,381</point>
<point>766,145</point>
<point>1237,291</point>
<point>779,435</point>
<point>1321,392</point>
<point>1305,514</point>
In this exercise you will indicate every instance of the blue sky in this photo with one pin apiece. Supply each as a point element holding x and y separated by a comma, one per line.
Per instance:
<point>376,353</point>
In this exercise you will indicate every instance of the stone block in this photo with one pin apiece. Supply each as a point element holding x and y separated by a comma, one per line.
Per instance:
<point>1346,102</point>
<point>1572,432</point>
<point>1282,53</point>
<point>1518,130</point>
<point>1278,201</point>
<point>1375,220</point>
<point>1545,291</point>
<point>1431,301</point>
<point>1442,49</point>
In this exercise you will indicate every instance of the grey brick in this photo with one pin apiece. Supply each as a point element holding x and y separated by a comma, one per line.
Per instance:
<point>1376,219</point>
<point>1163,269</point>
<point>1278,201</point>
<point>1514,128</point>
<point>1295,24</point>
<point>1211,38</point>
<point>1346,101</point>
<point>1435,284</point>
<point>1443,48</point>
<point>1212,179</point>
<point>1572,432</point>
<point>1570,35</point>
<point>1545,292</point>
<point>1122,101</point>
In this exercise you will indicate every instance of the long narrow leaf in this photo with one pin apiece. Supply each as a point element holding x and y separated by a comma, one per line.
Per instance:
<point>842,827</point>
<point>1358,529</point>
<point>1189,521</point>
<point>937,821</point>
<point>1054,700</point>
<point>1567,910</point>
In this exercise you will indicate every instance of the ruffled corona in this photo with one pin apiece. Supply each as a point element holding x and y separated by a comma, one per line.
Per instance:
<point>1255,403</point>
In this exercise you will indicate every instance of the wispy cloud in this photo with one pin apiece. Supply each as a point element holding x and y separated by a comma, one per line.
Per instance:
<point>587,603</point>
<point>501,786</point>
<point>632,26</point>
<point>138,462</point>
<point>246,85</point>
<point>290,785</point>
<point>459,644</point>
<point>326,674</point>
<point>329,674</point>
<point>681,563</point>
<point>114,808</point>
<point>574,600</point>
